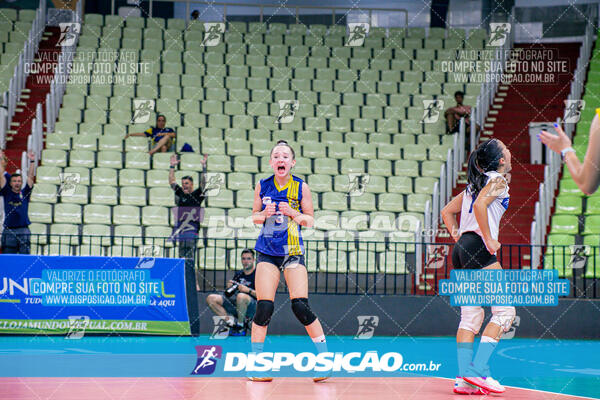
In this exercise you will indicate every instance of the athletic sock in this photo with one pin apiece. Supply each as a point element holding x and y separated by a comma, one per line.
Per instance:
<point>320,343</point>
<point>464,353</point>
<point>487,345</point>
<point>257,347</point>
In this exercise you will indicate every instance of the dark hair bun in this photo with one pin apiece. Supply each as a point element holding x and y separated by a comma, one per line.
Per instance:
<point>282,142</point>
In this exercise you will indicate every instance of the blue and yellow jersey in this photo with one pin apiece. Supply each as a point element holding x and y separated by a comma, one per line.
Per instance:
<point>280,235</point>
<point>154,131</point>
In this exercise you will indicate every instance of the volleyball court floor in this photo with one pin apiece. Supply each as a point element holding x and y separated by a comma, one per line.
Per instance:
<point>96,367</point>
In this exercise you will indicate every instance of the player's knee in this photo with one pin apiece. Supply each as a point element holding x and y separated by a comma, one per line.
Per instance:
<point>503,316</point>
<point>264,311</point>
<point>302,311</point>
<point>471,318</point>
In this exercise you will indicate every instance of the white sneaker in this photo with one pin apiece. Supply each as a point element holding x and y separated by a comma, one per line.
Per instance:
<point>462,387</point>
<point>486,383</point>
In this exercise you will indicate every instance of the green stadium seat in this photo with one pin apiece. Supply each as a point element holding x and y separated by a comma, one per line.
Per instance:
<point>56,158</point>
<point>407,168</point>
<point>592,224</point>
<point>81,158</point>
<point>106,159</point>
<point>40,212</point>
<point>431,168</point>
<point>335,201</point>
<point>568,205</point>
<point>96,234</point>
<point>161,196</point>
<point>155,215</point>
<point>132,195</point>
<point>64,234</point>
<point>566,224</point>
<point>364,202</point>
<point>67,213</point>
<point>379,167</point>
<point>416,202</point>
<point>125,215</point>
<point>104,195</point>
<point>96,214</point>
<point>44,192</point>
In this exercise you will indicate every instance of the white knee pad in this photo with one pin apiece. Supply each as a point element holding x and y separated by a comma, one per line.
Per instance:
<point>503,316</point>
<point>471,318</point>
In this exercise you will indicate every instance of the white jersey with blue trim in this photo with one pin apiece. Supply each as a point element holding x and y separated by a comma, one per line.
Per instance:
<point>495,210</point>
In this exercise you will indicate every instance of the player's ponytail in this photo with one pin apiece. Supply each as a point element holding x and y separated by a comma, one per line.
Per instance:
<point>284,143</point>
<point>486,157</point>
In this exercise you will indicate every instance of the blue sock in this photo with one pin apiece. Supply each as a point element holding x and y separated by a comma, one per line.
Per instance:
<point>487,345</point>
<point>464,353</point>
<point>257,347</point>
<point>320,344</point>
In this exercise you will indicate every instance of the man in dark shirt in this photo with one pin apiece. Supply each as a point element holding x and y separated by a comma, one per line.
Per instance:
<point>242,300</point>
<point>15,234</point>
<point>188,213</point>
<point>161,136</point>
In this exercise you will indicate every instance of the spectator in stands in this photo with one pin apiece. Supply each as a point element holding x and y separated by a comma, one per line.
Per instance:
<point>586,175</point>
<point>195,14</point>
<point>454,114</point>
<point>15,234</point>
<point>3,164</point>
<point>188,213</point>
<point>240,297</point>
<point>162,137</point>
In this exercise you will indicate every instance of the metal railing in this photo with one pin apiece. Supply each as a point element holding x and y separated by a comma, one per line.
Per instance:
<point>335,267</point>
<point>17,83</point>
<point>261,7</point>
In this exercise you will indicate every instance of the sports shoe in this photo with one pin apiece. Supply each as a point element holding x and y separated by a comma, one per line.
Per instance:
<point>259,379</point>
<point>237,330</point>
<point>462,387</point>
<point>487,383</point>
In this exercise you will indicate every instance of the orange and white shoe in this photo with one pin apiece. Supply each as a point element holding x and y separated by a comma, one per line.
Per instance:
<point>487,383</point>
<point>260,379</point>
<point>462,387</point>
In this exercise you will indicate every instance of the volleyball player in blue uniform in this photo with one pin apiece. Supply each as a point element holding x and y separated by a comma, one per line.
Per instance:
<point>282,204</point>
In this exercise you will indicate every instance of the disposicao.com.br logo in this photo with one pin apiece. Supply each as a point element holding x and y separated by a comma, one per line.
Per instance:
<point>290,364</point>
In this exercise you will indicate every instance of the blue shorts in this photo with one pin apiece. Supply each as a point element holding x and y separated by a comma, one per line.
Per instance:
<point>229,304</point>
<point>280,262</point>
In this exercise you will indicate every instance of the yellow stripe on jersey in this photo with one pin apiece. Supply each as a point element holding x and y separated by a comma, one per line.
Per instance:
<point>293,236</point>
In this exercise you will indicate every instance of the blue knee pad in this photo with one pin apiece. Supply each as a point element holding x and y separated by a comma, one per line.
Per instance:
<point>264,311</point>
<point>302,311</point>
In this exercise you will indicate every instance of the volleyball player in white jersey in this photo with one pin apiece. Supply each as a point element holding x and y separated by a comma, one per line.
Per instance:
<point>481,206</point>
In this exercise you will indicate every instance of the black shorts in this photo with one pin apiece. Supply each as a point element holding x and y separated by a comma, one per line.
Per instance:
<point>470,252</point>
<point>280,262</point>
